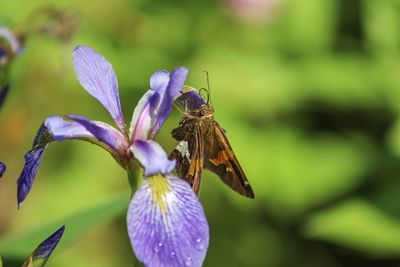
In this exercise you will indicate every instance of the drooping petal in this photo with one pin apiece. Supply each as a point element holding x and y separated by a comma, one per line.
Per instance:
<point>3,94</point>
<point>190,99</point>
<point>56,128</point>
<point>166,224</point>
<point>42,253</point>
<point>2,169</point>
<point>104,133</point>
<point>155,106</point>
<point>152,157</point>
<point>25,181</point>
<point>32,162</point>
<point>97,76</point>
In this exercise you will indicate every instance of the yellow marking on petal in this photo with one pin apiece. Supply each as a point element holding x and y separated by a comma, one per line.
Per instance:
<point>159,188</point>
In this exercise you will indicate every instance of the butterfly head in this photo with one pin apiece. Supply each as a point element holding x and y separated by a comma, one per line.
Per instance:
<point>205,110</point>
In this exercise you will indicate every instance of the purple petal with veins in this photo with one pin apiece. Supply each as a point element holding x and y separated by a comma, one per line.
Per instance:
<point>190,99</point>
<point>166,224</point>
<point>25,181</point>
<point>104,133</point>
<point>155,106</point>
<point>152,157</point>
<point>59,129</point>
<point>42,253</point>
<point>45,249</point>
<point>176,82</point>
<point>97,76</point>
<point>141,119</point>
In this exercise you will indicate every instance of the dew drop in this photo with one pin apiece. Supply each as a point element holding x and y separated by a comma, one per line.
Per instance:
<point>172,255</point>
<point>158,247</point>
<point>199,244</point>
<point>188,261</point>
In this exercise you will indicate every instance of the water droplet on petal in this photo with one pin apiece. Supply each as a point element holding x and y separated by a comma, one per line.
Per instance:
<point>158,247</point>
<point>188,261</point>
<point>199,245</point>
<point>172,255</point>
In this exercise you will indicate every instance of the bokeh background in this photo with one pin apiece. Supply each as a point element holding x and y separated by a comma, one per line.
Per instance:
<point>308,91</point>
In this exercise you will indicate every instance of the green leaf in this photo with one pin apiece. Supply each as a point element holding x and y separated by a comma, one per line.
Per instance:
<point>358,225</point>
<point>19,246</point>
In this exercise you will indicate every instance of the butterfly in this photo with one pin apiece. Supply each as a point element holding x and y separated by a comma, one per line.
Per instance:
<point>203,144</point>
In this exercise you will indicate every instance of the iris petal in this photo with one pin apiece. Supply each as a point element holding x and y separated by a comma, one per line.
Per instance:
<point>59,129</point>
<point>152,157</point>
<point>44,250</point>
<point>176,82</point>
<point>104,133</point>
<point>166,224</point>
<point>25,181</point>
<point>2,169</point>
<point>141,119</point>
<point>97,76</point>
<point>190,99</point>
<point>155,106</point>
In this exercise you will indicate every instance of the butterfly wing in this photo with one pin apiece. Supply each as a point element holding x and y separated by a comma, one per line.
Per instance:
<point>220,159</point>
<point>189,153</point>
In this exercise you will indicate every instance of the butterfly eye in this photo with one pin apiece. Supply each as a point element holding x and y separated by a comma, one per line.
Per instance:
<point>202,112</point>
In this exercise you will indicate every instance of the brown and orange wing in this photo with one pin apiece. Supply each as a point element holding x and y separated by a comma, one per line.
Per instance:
<point>189,157</point>
<point>220,159</point>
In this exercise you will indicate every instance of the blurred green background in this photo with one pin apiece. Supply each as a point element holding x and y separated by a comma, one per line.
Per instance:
<point>308,91</point>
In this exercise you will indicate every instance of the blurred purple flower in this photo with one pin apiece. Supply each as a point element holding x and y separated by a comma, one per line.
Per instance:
<point>2,169</point>
<point>11,45</point>
<point>41,254</point>
<point>166,222</point>
<point>3,95</point>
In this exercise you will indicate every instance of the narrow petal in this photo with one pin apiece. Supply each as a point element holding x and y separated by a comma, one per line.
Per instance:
<point>143,115</point>
<point>32,162</point>
<point>41,254</point>
<point>97,76</point>
<point>56,128</point>
<point>166,224</point>
<point>190,99</point>
<point>152,157</point>
<point>25,181</point>
<point>176,82</point>
<point>3,94</point>
<point>61,129</point>
<point>2,169</point>
<point>104,133</point>
<point>155,106</point>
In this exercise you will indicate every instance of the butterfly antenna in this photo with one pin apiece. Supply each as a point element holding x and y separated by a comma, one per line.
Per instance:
<point>208,87</point>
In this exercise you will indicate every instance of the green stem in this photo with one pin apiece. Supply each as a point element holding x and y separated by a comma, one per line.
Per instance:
<point>135,174</point>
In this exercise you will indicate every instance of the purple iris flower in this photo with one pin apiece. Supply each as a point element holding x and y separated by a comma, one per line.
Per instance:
<point>42,253</point>
<point>12,47</point>
<point>3,94</point>
<point>166,222</point>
